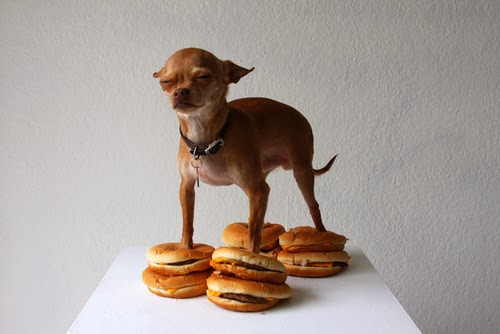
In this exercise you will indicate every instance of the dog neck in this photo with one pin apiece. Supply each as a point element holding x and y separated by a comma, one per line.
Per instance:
<point>203,126</point>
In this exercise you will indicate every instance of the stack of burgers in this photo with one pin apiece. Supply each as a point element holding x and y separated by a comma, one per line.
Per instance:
<point>245,281</point>
<point>309,253</point>
<point>178,273</point>
<point>236,235</point>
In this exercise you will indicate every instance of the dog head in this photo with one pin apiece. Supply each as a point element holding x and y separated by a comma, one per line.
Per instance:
<point>195,80</point>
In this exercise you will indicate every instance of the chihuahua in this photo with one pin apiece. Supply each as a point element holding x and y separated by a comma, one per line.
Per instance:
<point>239,142</point>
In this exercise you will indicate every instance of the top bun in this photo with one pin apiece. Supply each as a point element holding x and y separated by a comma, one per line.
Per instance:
<point>236,235</point>
<point>308,239</point>
<point>170,253</point>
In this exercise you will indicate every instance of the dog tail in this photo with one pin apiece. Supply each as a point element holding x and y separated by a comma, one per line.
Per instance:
<point>326,168</point>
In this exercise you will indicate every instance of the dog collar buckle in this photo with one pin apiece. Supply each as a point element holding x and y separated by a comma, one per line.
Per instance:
<point>210,149</point>
<point>214,147</point>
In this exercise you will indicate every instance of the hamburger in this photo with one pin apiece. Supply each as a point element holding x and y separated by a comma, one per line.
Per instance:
<point>168,259</point>
<point>308,239</point>
<point>240,263</point>
<point>314,264</point>
<point>236,235</point>
<point>178,273</point>
<point>244,295</point>
<point>179,286</point>
<point>246,281</point>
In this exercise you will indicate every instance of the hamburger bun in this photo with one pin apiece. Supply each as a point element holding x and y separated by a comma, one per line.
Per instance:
<point>168,259</point>
<point>183,286</point>
<point>236,235</point>
<point>308,239</point>
<point>314,264</point>
<point>245,296</point>
<point>246,265</point>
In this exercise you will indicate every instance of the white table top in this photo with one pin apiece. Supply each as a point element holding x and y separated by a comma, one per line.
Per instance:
<point>354,301</point>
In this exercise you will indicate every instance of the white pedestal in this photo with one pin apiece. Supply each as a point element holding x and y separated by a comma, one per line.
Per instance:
<point>355,301</point>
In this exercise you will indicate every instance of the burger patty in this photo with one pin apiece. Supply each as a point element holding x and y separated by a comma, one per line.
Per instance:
<point>244,298</point>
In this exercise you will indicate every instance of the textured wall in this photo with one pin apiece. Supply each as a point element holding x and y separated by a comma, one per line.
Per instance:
<point>406,91</point>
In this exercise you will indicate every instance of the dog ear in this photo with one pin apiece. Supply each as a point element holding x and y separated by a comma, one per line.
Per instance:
<point>159,73</point>
<point>233,73</point>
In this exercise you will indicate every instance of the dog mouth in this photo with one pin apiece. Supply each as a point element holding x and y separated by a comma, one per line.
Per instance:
<point>184,105</point>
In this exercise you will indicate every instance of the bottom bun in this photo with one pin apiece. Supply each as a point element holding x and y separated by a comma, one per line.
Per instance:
<point>302,271</point>
<point>186,292</point>
<point>236,305</point>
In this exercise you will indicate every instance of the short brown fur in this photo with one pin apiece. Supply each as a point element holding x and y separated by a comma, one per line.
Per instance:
<point>262,134</point>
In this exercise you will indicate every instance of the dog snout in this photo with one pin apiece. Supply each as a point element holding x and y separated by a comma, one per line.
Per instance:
<point>181,93</point>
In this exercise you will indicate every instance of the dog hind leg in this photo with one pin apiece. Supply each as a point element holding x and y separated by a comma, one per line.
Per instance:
<point>304,175</point>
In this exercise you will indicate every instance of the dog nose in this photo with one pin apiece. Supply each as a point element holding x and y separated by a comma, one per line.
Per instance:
<point>181,93</point>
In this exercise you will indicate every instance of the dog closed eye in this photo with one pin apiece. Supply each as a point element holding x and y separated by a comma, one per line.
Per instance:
<point>204,77</point>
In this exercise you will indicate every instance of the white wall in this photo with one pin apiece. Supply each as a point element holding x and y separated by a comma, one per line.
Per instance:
<point>406,91</point>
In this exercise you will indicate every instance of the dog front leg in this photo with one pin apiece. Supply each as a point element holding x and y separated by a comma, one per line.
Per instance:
<point>258,196</point>
<point>187,195</point>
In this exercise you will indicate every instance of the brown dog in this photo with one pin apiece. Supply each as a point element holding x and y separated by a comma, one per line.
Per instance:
<point>239,142</point>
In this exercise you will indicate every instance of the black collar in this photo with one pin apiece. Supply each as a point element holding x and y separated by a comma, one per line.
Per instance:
<point>210,149</point>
